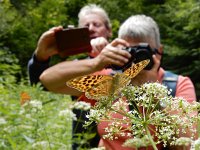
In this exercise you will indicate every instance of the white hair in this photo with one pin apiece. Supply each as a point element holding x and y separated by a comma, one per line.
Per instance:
<point>95,9</point>
<point>142,28</point>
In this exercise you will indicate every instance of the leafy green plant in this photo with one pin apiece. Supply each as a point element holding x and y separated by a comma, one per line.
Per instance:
<point>36,123</point>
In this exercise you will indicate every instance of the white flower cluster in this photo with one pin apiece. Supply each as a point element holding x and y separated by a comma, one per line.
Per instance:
<point>197,144</point>
<point>67,114</point>
<point>142,116</point>
<point>137,142</point>
<point>42,145</point>
<point>82,105</point>
<point>114,130</point>
<point>96,115</point>
<point>183,141</point>
<point>2,121</point>
<point>36,104</point>
<point>32,107</point>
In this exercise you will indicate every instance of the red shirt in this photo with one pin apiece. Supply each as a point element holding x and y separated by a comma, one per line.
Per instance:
<point>184,89</point>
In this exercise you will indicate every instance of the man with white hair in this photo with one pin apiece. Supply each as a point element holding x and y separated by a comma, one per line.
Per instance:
<point>143,29</point>
<point>135,30</point>
<point>96,19</point>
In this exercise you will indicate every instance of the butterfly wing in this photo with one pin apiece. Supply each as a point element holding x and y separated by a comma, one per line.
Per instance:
<point>24,97</point>
<point>84,83</point>
<point>135,69</point>
<point>101,90</point>
<point>108,87</point>
<point>99,86</point>
<point>119,82</point>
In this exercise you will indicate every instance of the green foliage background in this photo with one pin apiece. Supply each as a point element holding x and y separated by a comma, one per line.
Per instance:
<point>22,22</point>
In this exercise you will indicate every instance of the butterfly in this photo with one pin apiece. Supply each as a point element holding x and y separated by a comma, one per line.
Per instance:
<point>24,97</point>
<point>104,86</point>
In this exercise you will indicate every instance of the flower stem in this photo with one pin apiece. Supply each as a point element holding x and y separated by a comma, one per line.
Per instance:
<point>150,138</point>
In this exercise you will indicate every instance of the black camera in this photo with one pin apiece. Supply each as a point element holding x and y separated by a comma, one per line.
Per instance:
<point>140,52</point>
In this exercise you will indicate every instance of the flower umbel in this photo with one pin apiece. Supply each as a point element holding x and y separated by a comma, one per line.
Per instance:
<point>147,112</point>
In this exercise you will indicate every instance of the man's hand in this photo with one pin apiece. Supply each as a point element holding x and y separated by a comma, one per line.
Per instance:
<point>46,46</point>
<point>112,54</point>
<point>97,45</point>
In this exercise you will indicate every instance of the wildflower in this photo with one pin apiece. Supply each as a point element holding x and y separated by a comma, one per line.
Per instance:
<point>145,115</point>
<point>2,121</point>
<point>27,127</point>
<point>96,114</point>
<point>36,104</point>
<point>137,142</point>
<point>197,144</point>
<point>82,105</point>
<point>183,141</point>
<point>42,145</point>
<point>68,114</point>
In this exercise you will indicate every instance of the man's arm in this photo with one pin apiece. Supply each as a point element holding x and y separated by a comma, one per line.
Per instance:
<point>46,47</point>
<point>55,77</point>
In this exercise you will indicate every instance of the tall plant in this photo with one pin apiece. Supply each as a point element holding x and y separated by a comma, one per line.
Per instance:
<point>148,116</point>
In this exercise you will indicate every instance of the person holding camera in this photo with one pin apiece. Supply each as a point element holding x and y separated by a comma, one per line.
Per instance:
<point>92,16</point>
<point>138,35</point>
<point>96,19</point>
<point>141,33</point>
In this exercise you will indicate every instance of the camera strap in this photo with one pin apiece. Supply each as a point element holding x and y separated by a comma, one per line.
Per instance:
<point>170,80</point>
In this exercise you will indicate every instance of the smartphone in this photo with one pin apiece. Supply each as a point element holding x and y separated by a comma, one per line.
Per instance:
<point>73,41</point>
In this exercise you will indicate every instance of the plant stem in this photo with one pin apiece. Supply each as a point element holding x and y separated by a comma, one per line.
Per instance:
<point>150,138</point>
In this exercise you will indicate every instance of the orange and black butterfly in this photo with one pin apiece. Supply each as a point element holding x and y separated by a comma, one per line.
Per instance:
<point>102,86</point>
<point>24,97</point>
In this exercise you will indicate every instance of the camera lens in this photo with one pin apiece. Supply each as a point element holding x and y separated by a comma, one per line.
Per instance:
<point>143,54</point>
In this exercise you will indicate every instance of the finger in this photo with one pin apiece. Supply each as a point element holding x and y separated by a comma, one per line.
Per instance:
<point>117,55</point>
<point>117,62</point>
<point>100,46</point>
<point>94,52</point>
<point>118,51</point>
<point>118,41</point>
<point>56,28</point>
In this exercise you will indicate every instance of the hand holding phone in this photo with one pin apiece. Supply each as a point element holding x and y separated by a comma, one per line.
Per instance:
<point>73,41</point>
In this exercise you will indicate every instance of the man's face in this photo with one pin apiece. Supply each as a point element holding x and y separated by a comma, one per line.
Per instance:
<point>96,26</point>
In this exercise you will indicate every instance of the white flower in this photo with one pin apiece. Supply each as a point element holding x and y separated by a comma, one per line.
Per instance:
<point>2,121</point>
<point>68,114</point>
<point>140,108</point>
<point>36,104</point>
<point>197,144</point>
<point>137,142</point>
<point>22,111</point>
<point>183,141</point>
<point>82,105</point>
<point>96,115</point>
<point>42,144</point>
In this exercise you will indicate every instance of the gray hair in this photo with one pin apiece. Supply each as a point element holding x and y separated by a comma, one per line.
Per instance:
<point>95,9</point>
<point>142,28</point>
